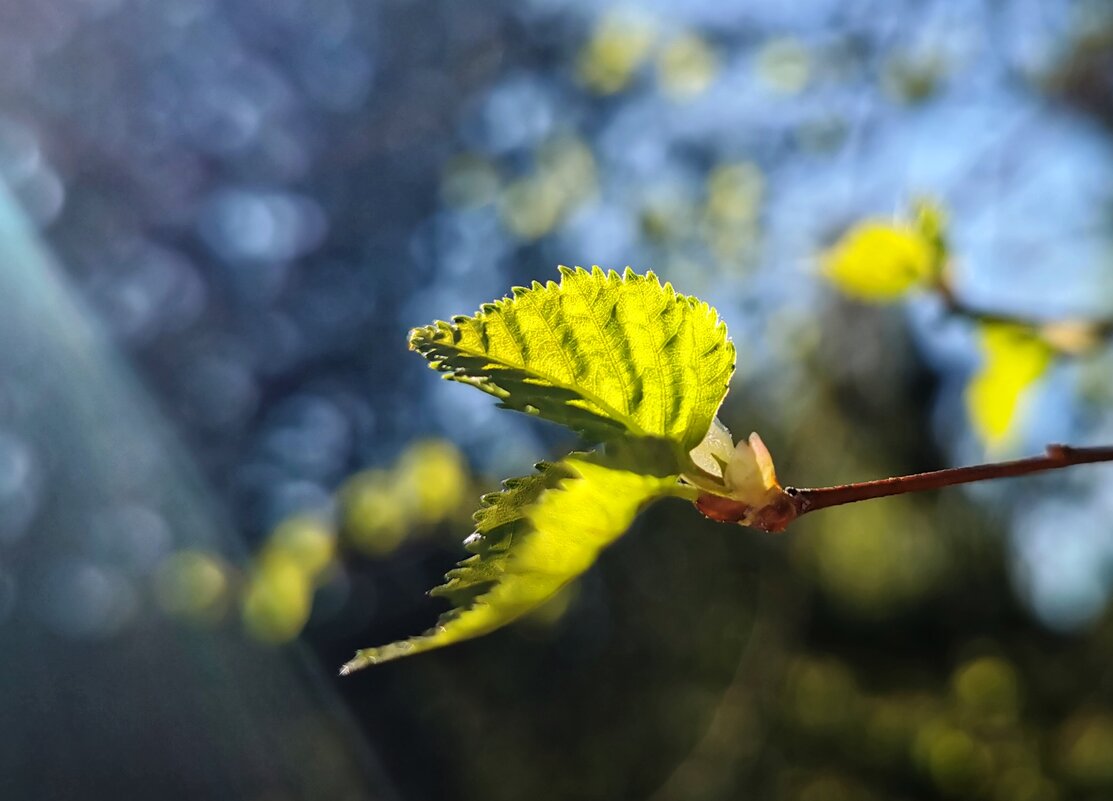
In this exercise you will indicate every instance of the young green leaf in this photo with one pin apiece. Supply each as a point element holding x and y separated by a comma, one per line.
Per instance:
<point>604,354</point>
<point>880,260</point>
<point>1015,357</point>
<point>630,362</point>
<point>531,539</point>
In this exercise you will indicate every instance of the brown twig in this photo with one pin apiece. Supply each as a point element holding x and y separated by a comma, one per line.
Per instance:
<point>1057,456</point>
<point>1068,336</point>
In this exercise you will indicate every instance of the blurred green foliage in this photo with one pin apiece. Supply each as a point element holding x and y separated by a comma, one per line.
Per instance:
<point>193,585</point>
<point>619,45</point>
<point>785,65</point>
<point>686,66</point>
<point>534,204</point>
<point>883,261</point>
<point>376,511</point>
<point>380,508</point>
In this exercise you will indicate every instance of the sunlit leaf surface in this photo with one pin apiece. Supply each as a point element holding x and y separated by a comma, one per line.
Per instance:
<point>880,261</point>
<point>1014,358</point>
<point>607,355</point>
<point>532,538</point>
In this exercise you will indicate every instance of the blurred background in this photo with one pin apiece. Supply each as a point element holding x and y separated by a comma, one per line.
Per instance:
<point>221,471</point>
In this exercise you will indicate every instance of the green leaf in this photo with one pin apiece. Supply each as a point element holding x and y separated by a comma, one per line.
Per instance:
<point>604,354</point>
<point>1015,357</point>
<point>501,518</point>
<point>882,260</point>
<point>879,261</point>
<point>532,538</point>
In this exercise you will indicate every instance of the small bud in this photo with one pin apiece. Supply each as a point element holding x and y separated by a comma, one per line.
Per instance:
<point>750,476</point>
<point>754,498</point>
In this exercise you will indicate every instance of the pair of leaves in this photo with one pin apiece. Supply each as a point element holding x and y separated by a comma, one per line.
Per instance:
<point>881,261</point>
<point>620,359</point>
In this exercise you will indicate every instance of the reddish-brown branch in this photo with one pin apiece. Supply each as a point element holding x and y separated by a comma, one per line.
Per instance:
<point>1057,456</point>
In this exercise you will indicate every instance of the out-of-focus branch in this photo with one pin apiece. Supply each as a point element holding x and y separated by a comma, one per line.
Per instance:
<point>1070,337</point>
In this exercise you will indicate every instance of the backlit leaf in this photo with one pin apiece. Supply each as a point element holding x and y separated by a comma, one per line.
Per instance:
<point>532,538</point>
<point>879,260</point>
<point>1014,358</point>
<point>606,355</point>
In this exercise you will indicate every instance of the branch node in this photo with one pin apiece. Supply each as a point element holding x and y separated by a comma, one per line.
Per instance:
<point>1059,452</point>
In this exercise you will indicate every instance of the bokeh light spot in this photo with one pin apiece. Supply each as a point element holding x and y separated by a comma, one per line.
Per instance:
<point>194,586</point>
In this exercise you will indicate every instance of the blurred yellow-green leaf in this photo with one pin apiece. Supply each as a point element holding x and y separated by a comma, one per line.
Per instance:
<point>432,479</point>
<point>686,66</point>
<point>881,261</point>
<point>310,541</point>
<point>380,508</point>
<point>821,696</point>
<point>734,192</point>
<point>469,181</point>
<point>531,207</point>
<point>565,175</point>
<point>568,162</point>
<point>1086,750</point>
<point>193,585</point>
<point>278,599</point>
<point>957,763</point>
<point>619,45</point>
<point>372,518</point>
<point>731,221</point>
<point>1014,357</point>
<point>988,689</point>
<point>875,559</point>
<point>785,65</point>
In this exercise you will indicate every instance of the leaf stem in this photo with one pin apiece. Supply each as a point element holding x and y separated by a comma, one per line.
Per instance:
<point>1098,330</point>
<point>1057,456</point>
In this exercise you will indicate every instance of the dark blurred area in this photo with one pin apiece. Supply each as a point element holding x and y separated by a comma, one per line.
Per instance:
<point>221,471</point>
